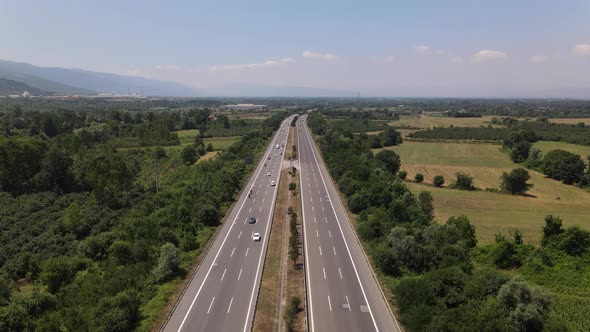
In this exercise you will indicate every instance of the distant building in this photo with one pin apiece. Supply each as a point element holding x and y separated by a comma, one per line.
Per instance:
<point>244,107</point>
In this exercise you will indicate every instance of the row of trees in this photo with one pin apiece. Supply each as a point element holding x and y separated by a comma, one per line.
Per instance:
<point>427,265</point>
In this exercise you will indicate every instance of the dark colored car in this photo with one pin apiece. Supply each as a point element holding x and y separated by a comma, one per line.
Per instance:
<point>252,220</point>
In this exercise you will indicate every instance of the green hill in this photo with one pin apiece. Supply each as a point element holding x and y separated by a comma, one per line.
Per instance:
<point>10,87</point>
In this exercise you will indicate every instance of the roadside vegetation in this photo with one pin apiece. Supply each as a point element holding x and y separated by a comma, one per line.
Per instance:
<point>440,277</point>
<point>89,239</point>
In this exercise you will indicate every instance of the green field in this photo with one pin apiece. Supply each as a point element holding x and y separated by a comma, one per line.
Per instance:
<point>491,212</point>
<point>187,136</point>
<point>582,150</point>
<point>428,122</point>
<point>219,143</point>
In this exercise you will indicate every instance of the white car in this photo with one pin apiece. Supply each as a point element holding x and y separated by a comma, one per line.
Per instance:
<point>256,237</point>
<point>268,174</point>
<point>272,183</point>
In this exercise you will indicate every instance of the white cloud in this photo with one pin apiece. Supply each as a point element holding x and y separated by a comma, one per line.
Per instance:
<point>427,50</point>
<point>488,55</point>
<point>383,59</point>
<point>423,50</point>
<point>267,63</point>
<point>537,59</point>
<point>167,67</point>
<point>581,50</point>
<point>318,55</point>
<point>456,59</point>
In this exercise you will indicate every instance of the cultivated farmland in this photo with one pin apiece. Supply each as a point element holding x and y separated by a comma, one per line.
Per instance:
<point>491,212</point>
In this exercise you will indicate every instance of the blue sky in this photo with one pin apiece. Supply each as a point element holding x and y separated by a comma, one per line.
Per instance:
<point>454,47</point>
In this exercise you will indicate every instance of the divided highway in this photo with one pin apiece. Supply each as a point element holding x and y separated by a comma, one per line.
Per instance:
<point>341,290</point>
<point>222,295</point>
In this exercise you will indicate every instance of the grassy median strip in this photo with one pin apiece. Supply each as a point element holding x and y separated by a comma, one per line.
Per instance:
<point>294,293</point>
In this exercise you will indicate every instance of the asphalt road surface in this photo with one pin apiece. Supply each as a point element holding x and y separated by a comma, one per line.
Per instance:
<point>222,295</point>
<point>341,290</point>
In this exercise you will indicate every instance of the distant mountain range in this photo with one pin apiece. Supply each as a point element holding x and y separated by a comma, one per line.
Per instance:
<point>52,80</point>
<point>10,87</point>
<point>15,78</point>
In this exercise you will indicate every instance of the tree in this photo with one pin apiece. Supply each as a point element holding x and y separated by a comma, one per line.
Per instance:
<point>552,228</point>
<point>160,153</point>
<point>189,155</point>
<point>390,160</point>
<point>515,183</point>
<point>465,229</point>
<point>390,137</point>
<point>563,165</point>
<point>426,204</point>
<point>419,178</point>
<point>72,219</point>
<point>438,181</point>
<point>385,259</point>
<point>463,182</point>
<point>168,262</point>
<point>403,174</point>
<point>527,307</point>
<point>520,151</point>
<point>120,251</point>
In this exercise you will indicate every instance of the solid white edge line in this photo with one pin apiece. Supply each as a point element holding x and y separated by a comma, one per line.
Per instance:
<point>270,213</point>
<point>342,232</point>
<point>222,243</point>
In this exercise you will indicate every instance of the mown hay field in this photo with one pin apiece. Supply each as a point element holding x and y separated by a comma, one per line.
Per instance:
<point>491,212</point>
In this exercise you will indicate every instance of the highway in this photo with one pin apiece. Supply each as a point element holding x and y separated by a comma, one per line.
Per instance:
<point>222,295</point>
<point>342,293</point>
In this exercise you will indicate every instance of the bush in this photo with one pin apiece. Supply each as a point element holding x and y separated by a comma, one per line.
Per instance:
<point>463,182</point>
<point>419,178</point>
<point>292,186</point>
<point>291,312</point>
<point>438,181</point>
<point>168,262</point>
<point>402,175</point>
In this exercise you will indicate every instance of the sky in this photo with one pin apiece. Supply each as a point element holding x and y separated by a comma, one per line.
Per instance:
<point>455,48</point>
